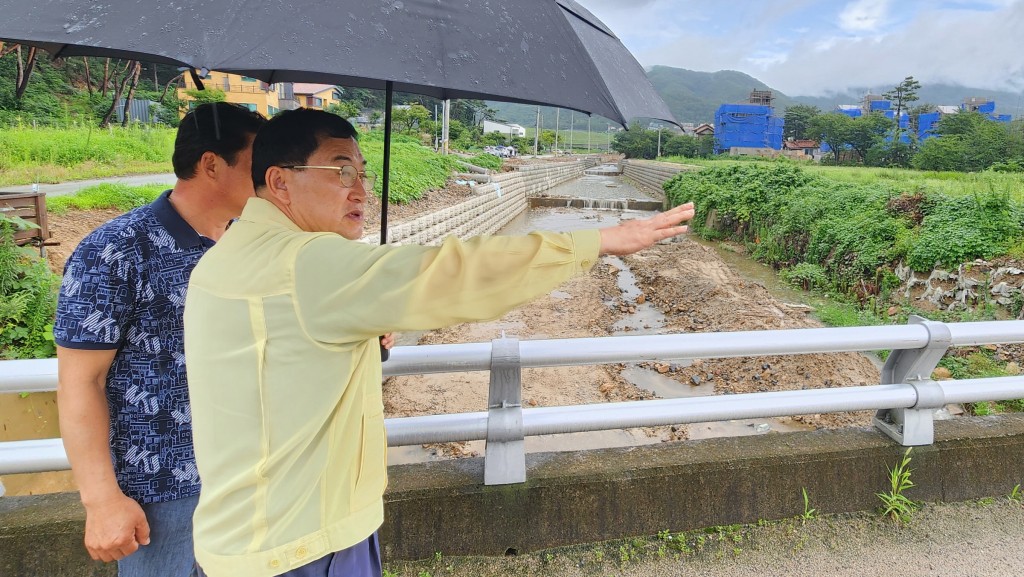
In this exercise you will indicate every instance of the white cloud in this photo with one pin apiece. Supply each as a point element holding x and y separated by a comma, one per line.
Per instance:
<point>804,47</point>
<point>864,16</point>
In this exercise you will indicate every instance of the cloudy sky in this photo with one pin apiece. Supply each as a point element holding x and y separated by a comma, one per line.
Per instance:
<point>812,47</point>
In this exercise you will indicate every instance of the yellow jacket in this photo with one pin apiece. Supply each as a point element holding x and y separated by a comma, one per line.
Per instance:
<point>284,372</point>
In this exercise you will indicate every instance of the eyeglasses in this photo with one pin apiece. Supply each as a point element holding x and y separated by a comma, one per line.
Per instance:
<point>348,174</point>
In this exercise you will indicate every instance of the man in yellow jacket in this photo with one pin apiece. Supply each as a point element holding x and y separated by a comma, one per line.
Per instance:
<point>281,325</point>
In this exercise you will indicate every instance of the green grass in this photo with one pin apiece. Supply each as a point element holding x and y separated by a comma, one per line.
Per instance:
<point>905,180</point>
<point>114,196</point>
<point>415,168</point>
<point>30,155</point>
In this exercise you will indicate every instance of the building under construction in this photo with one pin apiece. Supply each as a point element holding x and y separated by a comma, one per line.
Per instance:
<point>749,125</point>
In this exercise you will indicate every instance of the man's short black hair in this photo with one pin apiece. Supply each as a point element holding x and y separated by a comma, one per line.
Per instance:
<point>219,127</point>
<point>292,136</point>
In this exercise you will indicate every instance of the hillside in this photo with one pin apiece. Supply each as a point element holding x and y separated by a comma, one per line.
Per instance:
<point>694,96</point>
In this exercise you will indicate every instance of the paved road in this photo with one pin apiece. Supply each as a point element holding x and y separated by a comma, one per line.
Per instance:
<point>75,186</point>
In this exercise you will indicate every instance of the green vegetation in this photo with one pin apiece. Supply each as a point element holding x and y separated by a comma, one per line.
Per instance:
<point>809,512</point>
<point>116,196</point>
<point>845,234</point>
<point>415,168</point>
<point>639,142</point>
<point>57,154</point>
<point>895,504</point>
<point>486,161</point>
<point>28,298</point>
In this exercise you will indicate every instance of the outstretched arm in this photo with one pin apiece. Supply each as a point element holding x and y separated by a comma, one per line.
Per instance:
<point>635,235</point>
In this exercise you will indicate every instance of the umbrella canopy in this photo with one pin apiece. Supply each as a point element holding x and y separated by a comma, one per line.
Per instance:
<point>546,52</point>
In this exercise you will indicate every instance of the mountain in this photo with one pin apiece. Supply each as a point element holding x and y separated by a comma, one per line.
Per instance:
<point>694,96</point>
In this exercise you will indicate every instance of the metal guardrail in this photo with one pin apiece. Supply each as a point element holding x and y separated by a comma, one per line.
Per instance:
<point>905,399</point>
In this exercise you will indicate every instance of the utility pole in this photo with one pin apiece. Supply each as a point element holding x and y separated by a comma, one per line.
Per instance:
<point>572,127</point>
<point>536,135</point>
<point>557,110</point>
<point>436,143</point>
<point>447,108</point>
<point>659,142</point>
<point>588,135</point>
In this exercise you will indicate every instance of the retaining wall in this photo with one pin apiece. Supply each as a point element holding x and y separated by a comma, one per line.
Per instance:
<point>652,174</point>
<point>494,205</point>
<point>971,284</point>
<point>591,496</point>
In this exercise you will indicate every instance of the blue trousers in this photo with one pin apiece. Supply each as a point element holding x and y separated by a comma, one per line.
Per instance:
<point>170,552</point>
<point>359,560</point>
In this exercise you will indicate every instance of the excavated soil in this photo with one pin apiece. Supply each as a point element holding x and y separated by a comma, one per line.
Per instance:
<point>698,292</point>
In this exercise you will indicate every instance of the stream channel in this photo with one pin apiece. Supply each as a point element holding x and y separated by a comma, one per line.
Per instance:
<point>33,416</point>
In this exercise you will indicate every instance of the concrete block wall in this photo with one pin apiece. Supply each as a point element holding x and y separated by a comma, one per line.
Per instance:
<point>494,205</point>
<point>652,174</point>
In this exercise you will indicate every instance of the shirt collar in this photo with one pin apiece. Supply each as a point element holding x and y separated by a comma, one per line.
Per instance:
<point>182,232</point>
<point>263,211</point>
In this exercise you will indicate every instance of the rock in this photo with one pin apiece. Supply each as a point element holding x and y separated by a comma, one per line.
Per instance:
<point>695,380</point>
<point>1012,368</point>
<point>606,388</point>
<point>641,299</point>
<point>990,347</point>
<point>892,311</point>
<point>765,366</point>
<point>532,402</point>
<point>662,368</point>
<point>941,374</point>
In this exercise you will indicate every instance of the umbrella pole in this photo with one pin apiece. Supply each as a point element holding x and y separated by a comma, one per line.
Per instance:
<point>388,97</point>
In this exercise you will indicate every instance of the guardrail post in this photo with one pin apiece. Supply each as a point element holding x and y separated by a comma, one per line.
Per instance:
<point>915,425</point>
<point>505,453</point>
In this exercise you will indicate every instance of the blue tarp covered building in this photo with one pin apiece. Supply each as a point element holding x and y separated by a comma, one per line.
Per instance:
<point>747,126</point>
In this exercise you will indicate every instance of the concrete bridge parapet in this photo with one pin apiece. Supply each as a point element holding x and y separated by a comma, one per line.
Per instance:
<point>591,496</point>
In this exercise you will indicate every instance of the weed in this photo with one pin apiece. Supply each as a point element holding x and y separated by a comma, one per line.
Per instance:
<point>599,555</point>
<point>808,513</point>
<point>986,501</point>
<point>897,506</point>
<point>1015,495</point>
<point>437,556</point>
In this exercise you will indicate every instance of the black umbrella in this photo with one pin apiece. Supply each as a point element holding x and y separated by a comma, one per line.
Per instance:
<point>545,52</point>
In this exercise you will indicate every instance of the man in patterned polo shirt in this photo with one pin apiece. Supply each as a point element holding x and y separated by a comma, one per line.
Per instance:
<point>124,407</point>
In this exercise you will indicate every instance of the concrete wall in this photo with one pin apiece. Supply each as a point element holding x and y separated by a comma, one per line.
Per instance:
<point>590,496</point>
<point>652,174</point>
<point>494,206</point>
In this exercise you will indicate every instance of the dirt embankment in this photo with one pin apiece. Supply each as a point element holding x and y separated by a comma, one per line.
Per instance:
<point>695,290</point>
<point>698,292</point>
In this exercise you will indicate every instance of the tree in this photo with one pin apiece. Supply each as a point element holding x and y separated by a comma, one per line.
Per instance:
<point>408,119</point>
<point>903,94</point>
<point>680,145</point>
<point>131,93</point>
<point>343,109</point>
<point>968,142</point>
<point>833,129</point>
<point>798,120</point>
<point>118,91</point>
<point>24,69</point>
<point>868,131</point>
<point>636,142</point>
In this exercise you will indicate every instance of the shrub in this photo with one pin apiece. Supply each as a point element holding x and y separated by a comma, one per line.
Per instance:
<point>28,300</point>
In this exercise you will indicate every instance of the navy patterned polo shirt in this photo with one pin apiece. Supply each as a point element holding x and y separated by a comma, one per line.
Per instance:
<point>124,289</point>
